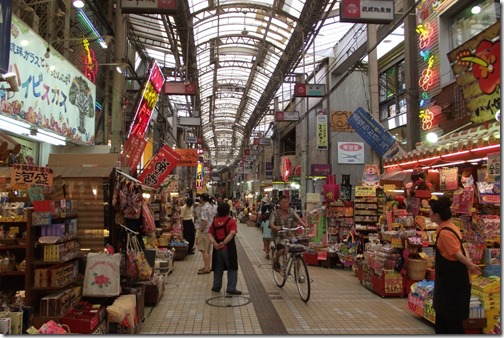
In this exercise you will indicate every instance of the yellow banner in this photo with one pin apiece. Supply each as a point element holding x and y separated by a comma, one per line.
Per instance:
<point>362,191</point>
<point>322,140</point>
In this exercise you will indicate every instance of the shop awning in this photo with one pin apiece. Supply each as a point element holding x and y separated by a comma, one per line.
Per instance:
<point>470,145</point>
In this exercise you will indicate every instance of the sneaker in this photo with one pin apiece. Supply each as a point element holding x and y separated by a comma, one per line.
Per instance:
<point>234,292</point>
<point>277,267</point>
<point>267,257</point>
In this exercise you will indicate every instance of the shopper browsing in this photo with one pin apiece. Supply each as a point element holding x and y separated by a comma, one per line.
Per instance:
<point>187,214</point>
<point>266,232</point>
<point>282,217</point>
<point>204,245</point>
<point>452,286</point>
<point>222,236</point>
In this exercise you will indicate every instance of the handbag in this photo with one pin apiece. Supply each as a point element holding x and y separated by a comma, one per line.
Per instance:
<point>102,275</point>
<point>144,269</point>
<point>131,267</point>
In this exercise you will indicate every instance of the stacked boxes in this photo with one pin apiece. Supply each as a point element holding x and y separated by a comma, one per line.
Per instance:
<point>488,291</point>
<point>60,252</point>
<point>56,276</point>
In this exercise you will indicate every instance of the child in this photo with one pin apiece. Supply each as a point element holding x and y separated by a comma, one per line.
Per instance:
<point>266,234</point>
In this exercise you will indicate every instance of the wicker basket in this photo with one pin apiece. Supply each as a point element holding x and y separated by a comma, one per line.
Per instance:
<point>417,268</point>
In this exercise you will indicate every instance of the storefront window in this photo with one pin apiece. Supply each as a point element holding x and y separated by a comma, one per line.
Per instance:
<point>473,19</point>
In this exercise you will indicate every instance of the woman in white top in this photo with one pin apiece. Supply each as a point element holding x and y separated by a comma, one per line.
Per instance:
<point>188,224</point>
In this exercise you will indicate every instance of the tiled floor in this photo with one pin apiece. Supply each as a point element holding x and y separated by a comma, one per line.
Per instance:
<point>338,303</point>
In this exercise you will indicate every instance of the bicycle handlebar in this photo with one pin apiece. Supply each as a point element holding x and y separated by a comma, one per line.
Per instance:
<point>292,229</point>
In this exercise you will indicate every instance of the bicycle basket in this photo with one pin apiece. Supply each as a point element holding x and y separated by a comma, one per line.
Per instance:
<point>296,248</point>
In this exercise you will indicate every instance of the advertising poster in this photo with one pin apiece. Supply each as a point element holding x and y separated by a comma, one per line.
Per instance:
<point>322,139</point>
<point>350,152</point>
<point>27,176</point>
<point>448,179</point>
<point>493,167</point>
<point>53,94</point>
<point>159,167</point>
<point>188,157</point>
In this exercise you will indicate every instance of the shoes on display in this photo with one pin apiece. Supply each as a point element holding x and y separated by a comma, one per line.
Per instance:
<point>215,290</point>
<point>234,292</point>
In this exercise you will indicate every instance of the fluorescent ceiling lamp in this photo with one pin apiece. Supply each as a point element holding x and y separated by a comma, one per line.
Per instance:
<point>6,120</point>
<point>47,139</point>
<point>476,9</point>
<point>432,137</point>
<point>14,128</point>
<point>50,134</point>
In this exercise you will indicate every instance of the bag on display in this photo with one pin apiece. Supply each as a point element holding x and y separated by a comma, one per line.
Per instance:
<point>148,224</point>
<point>331,190</point>
<point>102,275</point>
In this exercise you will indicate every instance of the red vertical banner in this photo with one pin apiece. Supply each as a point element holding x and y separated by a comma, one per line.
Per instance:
<point>159,167</point>
<point>133,150</point>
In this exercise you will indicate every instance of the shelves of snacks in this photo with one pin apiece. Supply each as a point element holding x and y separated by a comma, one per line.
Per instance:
<point>339,218</point>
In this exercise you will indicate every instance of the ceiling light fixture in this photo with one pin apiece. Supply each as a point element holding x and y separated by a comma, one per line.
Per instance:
<point>476,9</point>
<point>47,54</point>
<point>78,3</point>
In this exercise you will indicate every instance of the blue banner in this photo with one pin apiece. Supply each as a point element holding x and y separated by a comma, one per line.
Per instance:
<point>373,133</point>
<point>5,34</point>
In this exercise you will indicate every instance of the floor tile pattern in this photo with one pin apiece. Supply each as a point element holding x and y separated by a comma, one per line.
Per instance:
<point>339,304</point>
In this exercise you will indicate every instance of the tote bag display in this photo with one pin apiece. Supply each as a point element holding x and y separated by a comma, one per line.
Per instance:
<point>102,275</point>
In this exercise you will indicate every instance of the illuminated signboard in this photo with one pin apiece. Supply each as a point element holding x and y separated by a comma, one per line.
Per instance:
<point>147,101</point>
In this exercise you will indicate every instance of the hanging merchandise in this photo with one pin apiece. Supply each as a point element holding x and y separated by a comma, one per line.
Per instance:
<point>148,224</point>
<point>346,188</point>
<point>144,269</point>
<point>102,275</point>
<point>331,189</point>
<point>131,267</point>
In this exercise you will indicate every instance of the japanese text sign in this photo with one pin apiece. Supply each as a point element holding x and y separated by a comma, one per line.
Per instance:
<point>493,167</point>
<point>367,11</point>
<point>188,157</point>
<point>322,139</point>
<point>158,168</point>
<point>26,176</point>
<point>351,152</point>
<point>52,94</point>
<point>147,101</point>
<point>134,148</point>
<point>372,132</point>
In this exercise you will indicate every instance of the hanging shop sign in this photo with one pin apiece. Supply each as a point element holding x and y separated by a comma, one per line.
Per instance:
<point>283,116</point>
<point>339,121</point>
<point>322,139</point>
<point>262,141</point>
<point>158,168</point>
<point>200,176</point>
<point>350,152</point>
<point>53,94</point>
<point>133,150</point>
<point>149,6</point>
<point>28,176</point>
<point>189,121</point>
<point>191,139</point>
<point>374,134</point>
<point>367,11</point>
<point>476,65</point>
<point>188,157</point>
<point>309,90</point>
<point>5,34</point>
<point>180,88</point>
<point>320,169</point>
<point>493,167</point>
<point>147,101</point>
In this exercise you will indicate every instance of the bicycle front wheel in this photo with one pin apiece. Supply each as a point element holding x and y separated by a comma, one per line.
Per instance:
<point>279,276</point>
<point>302,278</point>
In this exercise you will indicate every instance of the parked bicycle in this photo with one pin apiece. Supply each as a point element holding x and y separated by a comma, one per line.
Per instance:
<point>292,264</point>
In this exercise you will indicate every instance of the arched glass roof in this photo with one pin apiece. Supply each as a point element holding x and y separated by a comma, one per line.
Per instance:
<point>239,53</point>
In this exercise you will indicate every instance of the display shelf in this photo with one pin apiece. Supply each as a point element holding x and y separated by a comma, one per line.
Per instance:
<point>12,273</point>
<point>55,288</point>
<point>13,247</point>
<point>39,262</point>
<point>59,241</point>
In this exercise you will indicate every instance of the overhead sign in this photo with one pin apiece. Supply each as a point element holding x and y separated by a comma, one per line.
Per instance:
<point>350,152</point>
<point>281,116</point>
<point>149,6</point>
<point>373,133</point>
<point>53,94</point>
<point>189,121</point>
<point>191,139</point>
<point>367,11</point>
<point>5,34</point>
<point>262,141</point>
<point>147,101</point>
<point>180,88</point>
<point>133,150</point>
<point>158,168</point>
<point>309,90</point>
<point>188,157</point>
